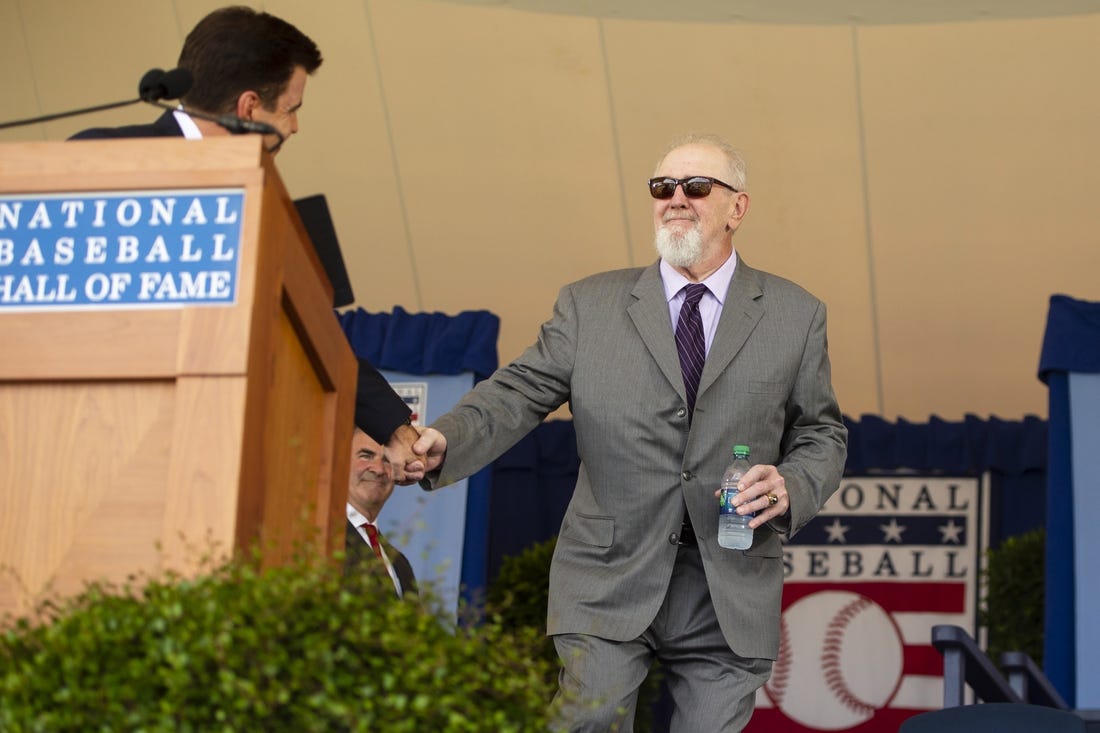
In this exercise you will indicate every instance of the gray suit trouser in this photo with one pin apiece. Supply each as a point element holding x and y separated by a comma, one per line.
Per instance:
<point>712,688</point>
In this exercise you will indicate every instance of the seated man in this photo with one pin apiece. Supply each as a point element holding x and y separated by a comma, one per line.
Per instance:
<point>371,484</point>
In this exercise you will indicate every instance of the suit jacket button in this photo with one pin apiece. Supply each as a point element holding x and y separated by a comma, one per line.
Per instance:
<point>673,539</point>
<point>687,475</point>
<point>682,412</point>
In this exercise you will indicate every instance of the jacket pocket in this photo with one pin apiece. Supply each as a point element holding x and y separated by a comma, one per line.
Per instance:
<point>589,529</point>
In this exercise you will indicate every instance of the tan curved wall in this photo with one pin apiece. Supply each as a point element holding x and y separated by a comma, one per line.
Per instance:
<point>934,183</point>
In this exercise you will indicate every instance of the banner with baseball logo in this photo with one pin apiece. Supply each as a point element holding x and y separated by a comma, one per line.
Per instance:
<point>886,559</point>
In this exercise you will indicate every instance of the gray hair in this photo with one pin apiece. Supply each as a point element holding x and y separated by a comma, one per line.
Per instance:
<point>738,177</point>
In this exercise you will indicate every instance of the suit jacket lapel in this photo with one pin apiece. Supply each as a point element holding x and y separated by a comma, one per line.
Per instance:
<point>740,314</point>
<point>167,125</point>
<point>359,554</point>
<point>650,315</point>
<point>401,565</point>
<point>356,551</point>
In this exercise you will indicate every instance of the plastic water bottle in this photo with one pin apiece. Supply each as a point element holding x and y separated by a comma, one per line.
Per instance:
<point>734,532</point>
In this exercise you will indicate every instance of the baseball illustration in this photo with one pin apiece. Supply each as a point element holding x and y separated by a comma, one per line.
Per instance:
<point>840,658</point>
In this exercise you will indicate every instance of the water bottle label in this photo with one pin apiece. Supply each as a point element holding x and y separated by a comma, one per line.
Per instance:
<point>725,501</point>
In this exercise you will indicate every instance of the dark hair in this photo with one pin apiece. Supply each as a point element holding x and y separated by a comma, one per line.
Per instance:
<point>235,49</point>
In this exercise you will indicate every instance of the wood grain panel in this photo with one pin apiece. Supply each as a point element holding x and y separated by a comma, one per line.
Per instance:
<point>203,472</point>
<point>293,447</point>
<point>82,345</point>
<point>83,483</point>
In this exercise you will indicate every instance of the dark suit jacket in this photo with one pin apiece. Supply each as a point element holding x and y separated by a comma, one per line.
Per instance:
<point>359,557</point>
<point>378,409</point>
<point>165,126</point>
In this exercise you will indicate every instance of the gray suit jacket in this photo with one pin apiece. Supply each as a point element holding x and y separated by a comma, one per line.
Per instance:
<point>609,350</point>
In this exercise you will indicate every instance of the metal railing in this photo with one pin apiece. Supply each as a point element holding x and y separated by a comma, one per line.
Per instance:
<point>965,664</point>
<point>1028,681</point>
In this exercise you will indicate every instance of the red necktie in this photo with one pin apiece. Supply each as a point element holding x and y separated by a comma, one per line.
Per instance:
<point>372,535</point>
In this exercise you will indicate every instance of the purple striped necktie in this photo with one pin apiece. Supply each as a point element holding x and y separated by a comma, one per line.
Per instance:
<point>690,342</point>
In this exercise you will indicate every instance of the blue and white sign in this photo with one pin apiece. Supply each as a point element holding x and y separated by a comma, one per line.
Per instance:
<point>120,249</point>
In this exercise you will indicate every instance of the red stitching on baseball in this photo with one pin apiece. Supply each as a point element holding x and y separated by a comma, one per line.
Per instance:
<point>830,657</point>
<point>781,670</point>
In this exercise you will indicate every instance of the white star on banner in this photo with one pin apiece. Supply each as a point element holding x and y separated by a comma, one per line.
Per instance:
<point>836,531</point>
<point>892,531</point>
<point>951,531</point>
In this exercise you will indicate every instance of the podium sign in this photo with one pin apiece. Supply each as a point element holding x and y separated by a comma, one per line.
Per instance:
<point>120,249</point>
<point>173,383</point>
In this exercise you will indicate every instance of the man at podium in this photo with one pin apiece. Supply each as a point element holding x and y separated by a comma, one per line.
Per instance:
<point>253,66</point>
<point>245,66</point>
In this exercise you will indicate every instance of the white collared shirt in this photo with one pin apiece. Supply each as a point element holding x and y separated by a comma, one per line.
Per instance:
<point>190,129</point>
<point>358,520</point>
<point>710,306</point>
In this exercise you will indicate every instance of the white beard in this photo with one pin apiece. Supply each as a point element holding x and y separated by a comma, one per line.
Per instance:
<point>679,250</point>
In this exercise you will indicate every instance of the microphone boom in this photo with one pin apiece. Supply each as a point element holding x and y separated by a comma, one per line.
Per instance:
<point>155,85</point>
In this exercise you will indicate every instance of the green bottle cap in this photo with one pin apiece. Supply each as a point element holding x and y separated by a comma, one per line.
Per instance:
<point>741,450</point>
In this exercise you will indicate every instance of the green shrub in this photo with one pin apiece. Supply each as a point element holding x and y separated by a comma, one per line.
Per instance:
<point>298,648</point>
<point>1013,608</point>
<point>519,595</point>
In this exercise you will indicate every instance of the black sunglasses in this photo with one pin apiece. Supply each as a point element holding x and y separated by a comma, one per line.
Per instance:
<point>695,187</point>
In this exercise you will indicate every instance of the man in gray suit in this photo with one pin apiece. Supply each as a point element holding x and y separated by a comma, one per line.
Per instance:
<point>638,572</point>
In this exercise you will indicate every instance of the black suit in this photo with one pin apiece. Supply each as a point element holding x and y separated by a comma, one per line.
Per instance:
<point>359,556</point>
<point>378,409</point>
<point>165,126</point>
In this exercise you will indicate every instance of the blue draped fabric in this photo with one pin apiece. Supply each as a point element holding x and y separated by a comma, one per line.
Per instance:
<point>1058,603</point>
<point>532,485</point>
<point>1071,343</point>
<point>969,447</point>
<point>425,343</point>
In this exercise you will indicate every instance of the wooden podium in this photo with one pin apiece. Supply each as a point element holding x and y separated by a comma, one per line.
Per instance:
<point>140,431</point>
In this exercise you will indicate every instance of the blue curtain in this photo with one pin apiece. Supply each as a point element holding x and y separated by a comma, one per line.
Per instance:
<point>425,343</point>
<point>1071,343</point>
